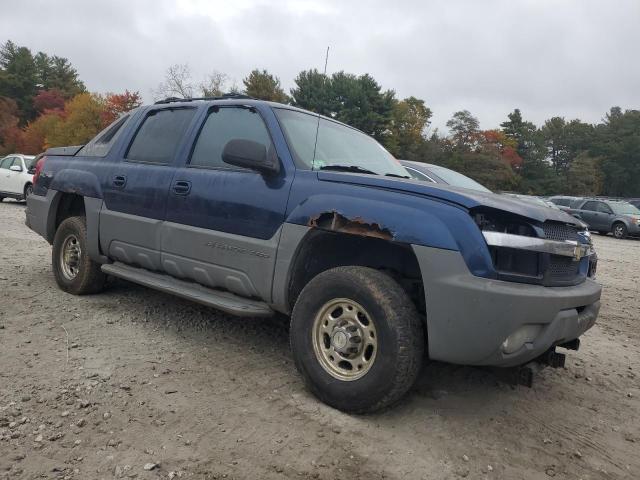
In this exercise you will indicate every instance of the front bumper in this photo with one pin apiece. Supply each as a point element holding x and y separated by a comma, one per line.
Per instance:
<point>633,229</point>
<point>469,317</point>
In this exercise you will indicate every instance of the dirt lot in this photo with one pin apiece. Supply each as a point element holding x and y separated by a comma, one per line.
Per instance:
<point>102,386</point>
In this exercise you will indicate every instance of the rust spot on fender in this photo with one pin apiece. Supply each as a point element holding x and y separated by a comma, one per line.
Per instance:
<point>337,222</point>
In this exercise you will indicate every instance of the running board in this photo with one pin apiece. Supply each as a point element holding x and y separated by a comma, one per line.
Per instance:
<point>225,301</point>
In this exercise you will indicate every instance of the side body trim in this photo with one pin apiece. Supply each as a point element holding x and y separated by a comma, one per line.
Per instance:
<point>290,241</point>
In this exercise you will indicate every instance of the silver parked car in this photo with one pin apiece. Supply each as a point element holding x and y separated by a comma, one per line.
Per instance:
<point>616,216</point>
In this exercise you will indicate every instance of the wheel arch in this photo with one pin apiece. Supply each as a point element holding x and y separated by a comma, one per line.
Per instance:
<point>323,248</point>
<point>65,205</point>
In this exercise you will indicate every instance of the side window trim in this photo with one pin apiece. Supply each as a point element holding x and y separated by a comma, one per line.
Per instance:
<point>153,111</point>
<point>422,174</point>
<point>215,109</point>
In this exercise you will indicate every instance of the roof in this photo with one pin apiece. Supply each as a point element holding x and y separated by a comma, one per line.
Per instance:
<point>246,100</point>
<point>18,155</point>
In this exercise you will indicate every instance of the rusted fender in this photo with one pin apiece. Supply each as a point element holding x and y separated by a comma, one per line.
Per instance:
<point>374,218</point>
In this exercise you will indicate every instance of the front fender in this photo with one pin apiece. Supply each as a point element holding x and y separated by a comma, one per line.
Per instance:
<point>360,216</point>
<point>390,215</point>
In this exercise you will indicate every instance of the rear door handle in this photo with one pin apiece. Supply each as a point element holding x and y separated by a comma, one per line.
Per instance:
<point>119,181</point>
<point>182,187</point>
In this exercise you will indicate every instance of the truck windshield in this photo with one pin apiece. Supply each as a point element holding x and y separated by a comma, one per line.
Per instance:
<point>338,147</point>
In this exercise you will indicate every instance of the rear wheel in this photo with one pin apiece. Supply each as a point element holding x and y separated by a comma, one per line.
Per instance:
<point>356,339</point>
<point>619,230</point>
<point>74,271</point>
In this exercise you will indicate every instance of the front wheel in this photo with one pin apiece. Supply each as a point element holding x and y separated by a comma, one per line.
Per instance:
<point>356,339</point>
<point>74,270</point>
<point>28,190</point>
<point>619,230</point>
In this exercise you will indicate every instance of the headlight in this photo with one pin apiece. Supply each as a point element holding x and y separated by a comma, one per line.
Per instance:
<point>549,253</point>
<point>503,223</point>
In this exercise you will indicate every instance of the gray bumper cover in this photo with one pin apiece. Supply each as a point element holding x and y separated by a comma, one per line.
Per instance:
<point>469,317</point>
<point>37,214</point>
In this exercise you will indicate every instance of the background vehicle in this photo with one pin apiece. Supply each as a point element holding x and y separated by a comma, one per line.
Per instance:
<point>442,175</point>
<point>533,199</point>
<point>603,216</point>
<point>15,179</point>
<point>635,202</point>
<point>565,202</point>
<point>254,207</point>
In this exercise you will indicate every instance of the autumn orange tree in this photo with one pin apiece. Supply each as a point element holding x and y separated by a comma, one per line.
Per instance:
<point>80,119</point>
<point>9,130</point>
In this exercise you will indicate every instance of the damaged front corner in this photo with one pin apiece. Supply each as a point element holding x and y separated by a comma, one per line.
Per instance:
<point>336,222</point>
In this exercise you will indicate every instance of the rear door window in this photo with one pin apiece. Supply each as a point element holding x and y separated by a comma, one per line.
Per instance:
<point>604,208</point>
<point>224,124</point>
<point>590,206</point>
<point>6,162</point>
<point>159,137</point>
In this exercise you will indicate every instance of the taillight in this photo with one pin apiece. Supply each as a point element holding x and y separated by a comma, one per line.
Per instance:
<point>39,165</point>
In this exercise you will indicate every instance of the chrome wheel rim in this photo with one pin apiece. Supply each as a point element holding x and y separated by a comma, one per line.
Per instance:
<point>28,191</point>
<point>345,340</point>
<point>619,231</point>
<point>70,257</point>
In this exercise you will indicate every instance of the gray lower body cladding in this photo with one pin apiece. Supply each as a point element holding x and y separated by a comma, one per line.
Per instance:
<point>469,317</point>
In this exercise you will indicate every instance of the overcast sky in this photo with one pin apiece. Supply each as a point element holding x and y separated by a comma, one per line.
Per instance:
<point>573,58</point>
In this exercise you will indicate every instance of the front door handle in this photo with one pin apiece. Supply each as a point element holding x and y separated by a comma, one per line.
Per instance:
<point>119,181</point>
<point>182,187</point>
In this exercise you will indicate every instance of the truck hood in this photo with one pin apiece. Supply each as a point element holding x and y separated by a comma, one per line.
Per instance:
<point>462,196</point>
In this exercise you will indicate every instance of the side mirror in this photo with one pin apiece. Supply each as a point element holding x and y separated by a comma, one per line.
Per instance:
<point>252,155</point>
<point>15,168</point>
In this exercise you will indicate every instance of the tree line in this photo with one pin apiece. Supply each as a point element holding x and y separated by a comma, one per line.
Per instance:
<point>43,103</point>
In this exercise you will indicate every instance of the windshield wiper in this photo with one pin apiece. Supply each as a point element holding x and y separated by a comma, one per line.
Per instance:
<point>348,168</point>
<point>396,175</point>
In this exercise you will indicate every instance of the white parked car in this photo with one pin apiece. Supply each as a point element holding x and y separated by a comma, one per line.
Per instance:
<point>15,179</point>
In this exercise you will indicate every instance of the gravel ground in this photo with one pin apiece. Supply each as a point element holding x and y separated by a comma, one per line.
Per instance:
<point>136,383</point>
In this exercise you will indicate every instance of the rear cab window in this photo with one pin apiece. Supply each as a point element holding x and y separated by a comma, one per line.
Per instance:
<point>161,133</point>
<point>101,144</point>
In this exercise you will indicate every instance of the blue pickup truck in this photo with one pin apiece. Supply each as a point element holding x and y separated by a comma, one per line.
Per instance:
<point>254,207</point>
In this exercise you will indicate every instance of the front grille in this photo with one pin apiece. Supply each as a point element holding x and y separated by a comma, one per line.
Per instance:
<point>559,231</point>
<point>563,268</point>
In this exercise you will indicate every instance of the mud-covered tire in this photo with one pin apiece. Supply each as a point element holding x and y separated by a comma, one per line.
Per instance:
<point>88,278</point>
<point>619,230</point>
<point>398,330</point>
